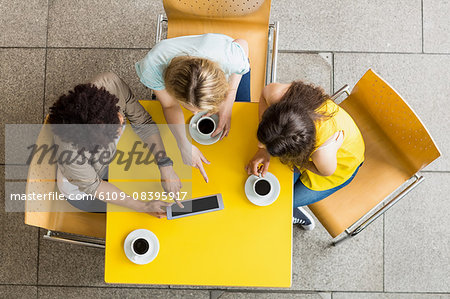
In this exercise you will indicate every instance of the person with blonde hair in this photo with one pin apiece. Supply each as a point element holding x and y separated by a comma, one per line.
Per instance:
<point>202,73</point>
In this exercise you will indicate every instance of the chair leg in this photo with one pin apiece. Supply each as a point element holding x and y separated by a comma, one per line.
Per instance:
<point>338,93</point>
<point>271,76</point>
<point>417,180</point>
<point>158,37</point>
<point>159,27</point>
<point>345,237</point>
<point>75,239</point>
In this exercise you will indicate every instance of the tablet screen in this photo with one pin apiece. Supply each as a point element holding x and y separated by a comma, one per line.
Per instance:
<point>196,205</point>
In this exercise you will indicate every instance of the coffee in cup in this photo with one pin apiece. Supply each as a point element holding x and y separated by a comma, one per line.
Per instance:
<point>205,126</point>
<point>262,187</point>
<point>140,246</point>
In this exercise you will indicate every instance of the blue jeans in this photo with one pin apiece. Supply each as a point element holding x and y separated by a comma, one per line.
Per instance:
<point>304,196</point>
<point>243,91</point>
<point>90,204</point>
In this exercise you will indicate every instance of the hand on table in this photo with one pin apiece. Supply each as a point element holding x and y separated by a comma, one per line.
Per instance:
<point>261,157</point>
<point>170,182</point>
<point>156,208</point>
<point>193,156</point>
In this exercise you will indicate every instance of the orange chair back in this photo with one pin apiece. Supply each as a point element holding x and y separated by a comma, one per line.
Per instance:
<point>56,215</point>
<point>243,19</point>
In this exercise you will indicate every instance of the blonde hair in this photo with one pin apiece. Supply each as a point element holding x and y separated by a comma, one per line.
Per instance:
<point>196,81</point>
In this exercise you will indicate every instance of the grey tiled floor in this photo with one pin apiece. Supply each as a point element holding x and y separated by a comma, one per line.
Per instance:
<point>48,46</point>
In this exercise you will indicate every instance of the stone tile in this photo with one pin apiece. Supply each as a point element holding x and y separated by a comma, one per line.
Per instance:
<point>191,287</point>
<point>102,23</point>
<point>15,172</point>
<point>422,80</point>
<point>18,244</point>
<point>371,26</point>
<point>436,26</point>
<point>67,68</point>
<point>17,292</point>
<point>312,68</point>
<point>215,294</point>
<point>388,296</point>
<point>21,88</point>
<point>62,264</point>
<point>278,295</point>
<point>353,265</point>
<point>19,138</point>
<point>70,265</point>
<point>71,292</point>
<point>417,239</point>
<point>23,23</point>
<point>14,186</point>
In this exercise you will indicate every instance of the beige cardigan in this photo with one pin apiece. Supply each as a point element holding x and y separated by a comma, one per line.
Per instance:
<point>87,176</point>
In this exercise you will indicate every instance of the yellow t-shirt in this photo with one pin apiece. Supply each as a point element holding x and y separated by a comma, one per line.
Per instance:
<point>349,156</point>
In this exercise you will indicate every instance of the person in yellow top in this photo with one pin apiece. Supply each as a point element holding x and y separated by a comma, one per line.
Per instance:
<point>301,125</point>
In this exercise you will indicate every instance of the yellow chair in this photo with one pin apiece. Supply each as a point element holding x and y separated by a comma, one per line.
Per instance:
<point>397,147</point>
<point>63,222</point>
<point>245,19</point>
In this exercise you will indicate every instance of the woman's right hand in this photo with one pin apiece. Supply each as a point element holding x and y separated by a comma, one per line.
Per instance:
<point>261,157</point>
<point>192,156</point>
<point>156,208</point>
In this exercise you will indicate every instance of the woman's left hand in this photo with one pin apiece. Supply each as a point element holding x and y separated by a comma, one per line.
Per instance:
<point>224,125</point>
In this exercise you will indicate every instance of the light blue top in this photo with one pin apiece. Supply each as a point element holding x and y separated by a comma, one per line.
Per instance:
<point>217,47</point>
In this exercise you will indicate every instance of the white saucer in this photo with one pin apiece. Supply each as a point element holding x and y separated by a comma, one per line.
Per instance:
<point>152,241</point>
<point>196,135</point>
<point>255,199</point>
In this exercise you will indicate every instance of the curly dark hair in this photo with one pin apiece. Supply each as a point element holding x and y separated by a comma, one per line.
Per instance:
<point>89,116</point>
<point>287,128</point>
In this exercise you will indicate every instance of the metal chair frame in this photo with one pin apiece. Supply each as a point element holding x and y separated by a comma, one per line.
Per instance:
<point>74,239</point>
<point>385,204</point>
<point>68,237</point>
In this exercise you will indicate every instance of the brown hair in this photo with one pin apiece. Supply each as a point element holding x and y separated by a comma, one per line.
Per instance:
<point>196,81</point>
<point>287,128</point>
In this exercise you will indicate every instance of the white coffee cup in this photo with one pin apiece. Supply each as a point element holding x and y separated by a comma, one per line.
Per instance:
<point>140,246</point>
<point>262,187</point>
<point>141,254</point>
<point>211,126</point>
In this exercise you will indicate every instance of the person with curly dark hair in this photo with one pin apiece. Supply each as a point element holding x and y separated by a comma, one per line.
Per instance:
<point>319,140</point>
<point>88,121</point>
<point>86,105</point>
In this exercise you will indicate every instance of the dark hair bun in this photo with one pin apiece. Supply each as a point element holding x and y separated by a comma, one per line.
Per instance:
<point>287,128</point>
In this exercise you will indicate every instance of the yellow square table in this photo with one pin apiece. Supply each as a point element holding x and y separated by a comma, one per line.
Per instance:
<point>241,245</point>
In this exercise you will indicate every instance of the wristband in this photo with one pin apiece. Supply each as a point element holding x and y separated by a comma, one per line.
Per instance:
<point>163,162</point>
